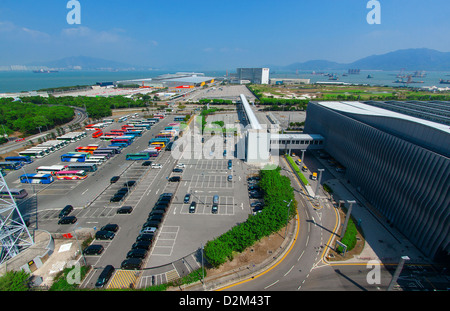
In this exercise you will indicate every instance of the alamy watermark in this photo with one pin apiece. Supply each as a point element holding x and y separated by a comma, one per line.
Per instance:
<point>74,15</point>
<point>374,16</point>
<point>374,275</point>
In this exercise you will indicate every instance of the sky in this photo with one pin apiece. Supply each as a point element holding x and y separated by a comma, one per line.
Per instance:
<point>218,34</point>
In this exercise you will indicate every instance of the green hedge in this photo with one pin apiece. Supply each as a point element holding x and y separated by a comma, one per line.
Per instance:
<point>297,170</point>
<point>277,189</point>
<point>349,237</point>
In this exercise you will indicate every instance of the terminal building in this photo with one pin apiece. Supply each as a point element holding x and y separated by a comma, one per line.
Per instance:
<point>397,155</point>
<point>176,80</point>
<point>250,75</point>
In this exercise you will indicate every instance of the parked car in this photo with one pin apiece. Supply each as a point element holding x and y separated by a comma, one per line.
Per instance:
<point>145,237</point>
<point>93,249</point>
<point>67,220</point>
<point>154,165</point>
<point>181,165</point>
<point>131,264</point>
<point>192,207</point>
<point>137,253</point>
<point>146,163</point>
<point>214,209</point>
<point>151,223</point>
<point>156,218</point>
<point>187,198</point>
<point>177,170</point>
<point>117,198</point>
<point>125,210</point>
<point>175,179</point>
<point>114,179</point>
<point>157,212</point>
<point>142,245</point>
<point>230,178</point>
<point>148,230</point>
<point>110,227</point>
<point>130,184</point>
<point>104,276</point>
<point>104,235</point>
<point>65,211</point>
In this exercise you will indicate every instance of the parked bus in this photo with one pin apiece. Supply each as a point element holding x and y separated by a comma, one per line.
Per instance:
<point>16,193</point>
<point>121,145</point>
<point>108,153</point>
<point>89,149</point>
<point>116,149</point>
<point>152,152</point>
<point>94,161</point>
<point>121,140</point>
<point>10,166</point>
<point>23,159</point>
<point>123,119</point>
<point>163,139</point>
<point>138,156</point>
<point>103,137</point>
<point>88,167</point>
<point>166,135</point>
<point>97,134</point>
<point>108,120</point>
<point>50,169</point>
<point>71,175</point>
<point>101,158</point>
<point>36,179</point>
<point>33,153</point>
<point>118,131</point>
<point>133,133</point>
<point>73,157</point>
<point>143,125</point>
<point>159,143</point>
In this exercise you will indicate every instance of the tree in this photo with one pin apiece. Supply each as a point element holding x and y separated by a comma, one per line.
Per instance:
<point>14,281</point>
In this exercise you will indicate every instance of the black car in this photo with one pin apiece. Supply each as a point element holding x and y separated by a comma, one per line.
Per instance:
<point>175,179</point>
<point>130,183</point>
<point>146,163</point>
<point>125,210</point>
<point>116,198</point>
<point>156,217</point>
<point>131,264</point>
<point>142,245</point>
<point>166,195</point>
<point>160,207</point>
<point>114,179</point>
<point>93,249</point>
<point>164,201</point>
<point>255,188</point>
<point>256,195</point>
<point>104,235</point>
<point>157,212</point>
<point>137,253</point>
<point>67,220</point>
<point>214,209</point>
<point>110,227</point>
<point>187,197</point>
<point>123,190</point>
<point>104,276</point>
<point>66,211</point>
<point>145,237</point>
<point>192,207</point>
<point>177,170</point>
<point>151,224</point>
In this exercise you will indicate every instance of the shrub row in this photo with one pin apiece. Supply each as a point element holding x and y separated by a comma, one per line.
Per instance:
<point>277,193</point>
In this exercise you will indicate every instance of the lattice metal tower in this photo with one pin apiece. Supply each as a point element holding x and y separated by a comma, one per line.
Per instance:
<point>14,234</point>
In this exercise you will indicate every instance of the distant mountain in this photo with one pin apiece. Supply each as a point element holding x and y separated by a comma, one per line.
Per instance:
<point>85,63</point>
<point>408,59</point>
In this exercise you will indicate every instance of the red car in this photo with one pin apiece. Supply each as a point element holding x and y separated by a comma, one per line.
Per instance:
<point>20,139</point>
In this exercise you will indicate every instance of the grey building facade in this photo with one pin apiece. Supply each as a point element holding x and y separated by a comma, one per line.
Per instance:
<point>399,163</point>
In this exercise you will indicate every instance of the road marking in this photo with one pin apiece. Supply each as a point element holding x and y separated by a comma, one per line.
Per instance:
<point>85,191</point>
<point>289,271</point>
<point>271,284</point>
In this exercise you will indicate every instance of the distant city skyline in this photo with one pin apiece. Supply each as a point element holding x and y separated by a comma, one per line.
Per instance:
<point>218,35</point>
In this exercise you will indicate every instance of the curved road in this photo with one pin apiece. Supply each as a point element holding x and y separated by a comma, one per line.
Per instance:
<point>314,232</point>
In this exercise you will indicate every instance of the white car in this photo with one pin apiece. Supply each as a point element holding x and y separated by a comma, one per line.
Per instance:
<point>156,165</point>
<point>181,165</point>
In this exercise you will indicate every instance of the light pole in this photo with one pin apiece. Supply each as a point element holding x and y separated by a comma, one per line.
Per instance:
<point>287,218</point>
<point>397,272</point>
<point>320,170</point>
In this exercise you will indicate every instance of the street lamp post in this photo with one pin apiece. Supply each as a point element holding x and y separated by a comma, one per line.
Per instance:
<point>287,218</point>
<point>320,170</point>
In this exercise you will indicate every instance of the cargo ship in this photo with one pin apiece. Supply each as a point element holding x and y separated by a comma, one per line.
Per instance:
<point>441,81</point>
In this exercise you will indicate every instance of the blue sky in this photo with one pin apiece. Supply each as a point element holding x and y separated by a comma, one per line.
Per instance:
<point>218,34</point>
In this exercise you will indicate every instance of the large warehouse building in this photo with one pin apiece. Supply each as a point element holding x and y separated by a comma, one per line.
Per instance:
<point>397,155</point>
